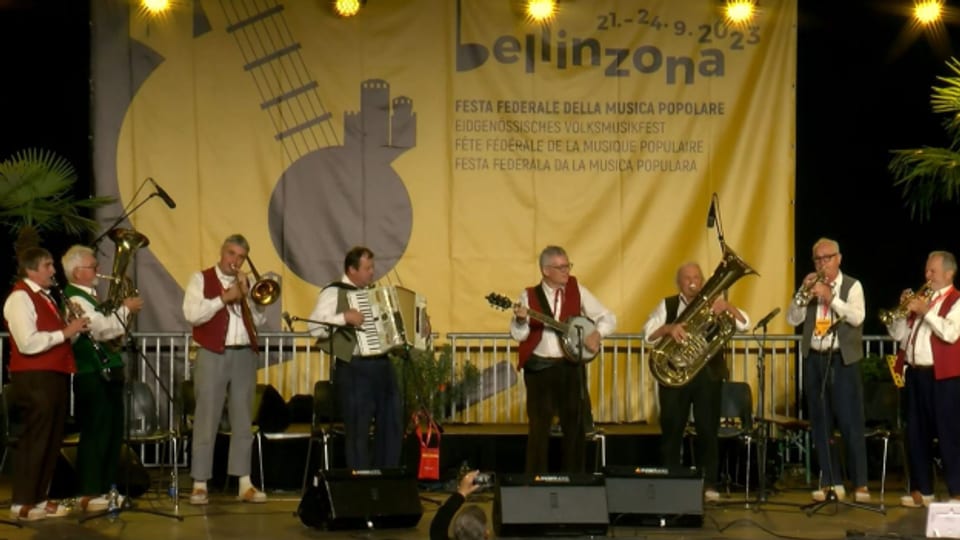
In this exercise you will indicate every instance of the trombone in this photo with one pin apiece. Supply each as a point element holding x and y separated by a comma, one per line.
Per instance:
<point>264,291</point>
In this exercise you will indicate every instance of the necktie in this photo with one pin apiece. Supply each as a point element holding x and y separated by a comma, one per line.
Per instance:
<point>247,319</point>
<point>50,303</point>
<point>557,302</point>
<point>915,325</point>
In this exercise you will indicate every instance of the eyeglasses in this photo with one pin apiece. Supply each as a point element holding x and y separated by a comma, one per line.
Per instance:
<point>561,267</point>
<point>824,258</point>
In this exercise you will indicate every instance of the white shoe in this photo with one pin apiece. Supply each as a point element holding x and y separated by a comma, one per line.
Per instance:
<point>820,495</point>
<point>252,495</point>
<point>711,495</point>
<point>916,500</point>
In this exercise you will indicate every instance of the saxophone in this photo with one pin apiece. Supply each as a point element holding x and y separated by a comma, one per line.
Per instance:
<point>674,363</point>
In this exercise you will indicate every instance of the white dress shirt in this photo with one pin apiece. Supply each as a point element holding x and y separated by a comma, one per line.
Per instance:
<point>915,339</point>
<point>853,309</point>
<point>550,346</point>
<point>103,327</point>
<point>198,310</point>
<point>658,318</point>
<point>325,310</point>
<point>21,316</point>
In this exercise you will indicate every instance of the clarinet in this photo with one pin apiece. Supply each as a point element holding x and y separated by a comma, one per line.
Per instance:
<point>75,312</point>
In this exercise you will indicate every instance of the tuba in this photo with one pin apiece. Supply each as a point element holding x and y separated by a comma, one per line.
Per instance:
<point>126,242</point>
<point>674,363</point>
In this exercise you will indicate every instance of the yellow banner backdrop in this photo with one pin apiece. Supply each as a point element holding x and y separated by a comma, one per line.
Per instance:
<point>456,139</point>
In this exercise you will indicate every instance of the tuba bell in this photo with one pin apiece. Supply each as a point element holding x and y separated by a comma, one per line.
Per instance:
<point>126,242</point>
<point>674,363</point>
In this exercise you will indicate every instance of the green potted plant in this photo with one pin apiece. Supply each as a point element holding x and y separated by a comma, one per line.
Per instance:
<point>428,381</point>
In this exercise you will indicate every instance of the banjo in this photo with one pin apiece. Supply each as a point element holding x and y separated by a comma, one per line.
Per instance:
<point>572,332</point>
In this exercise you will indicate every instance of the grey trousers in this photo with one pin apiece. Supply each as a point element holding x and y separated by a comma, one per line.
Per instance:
<point>213,374</point>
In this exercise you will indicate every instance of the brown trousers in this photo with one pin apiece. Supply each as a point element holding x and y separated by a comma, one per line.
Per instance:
<point>40,400</point>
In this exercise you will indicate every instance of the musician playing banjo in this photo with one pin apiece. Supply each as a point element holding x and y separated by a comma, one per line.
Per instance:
<point>702,391</point>
<point>555,383</point>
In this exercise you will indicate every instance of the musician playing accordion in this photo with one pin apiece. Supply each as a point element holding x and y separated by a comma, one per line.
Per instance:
<point>365,386</point>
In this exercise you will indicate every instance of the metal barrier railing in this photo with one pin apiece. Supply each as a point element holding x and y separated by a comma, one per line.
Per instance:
<point>620,384</point>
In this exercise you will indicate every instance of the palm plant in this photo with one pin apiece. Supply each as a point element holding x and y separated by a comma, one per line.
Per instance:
<point>36,192</point>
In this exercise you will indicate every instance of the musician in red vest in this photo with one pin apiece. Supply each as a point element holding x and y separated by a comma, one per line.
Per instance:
<point>41,361</point>
<point>930,354</point>
<point>556,385</point>
<point>217,303</point>
<point>365,386</point>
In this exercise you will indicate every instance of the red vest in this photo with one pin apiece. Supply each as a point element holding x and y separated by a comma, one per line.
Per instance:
<point>570,308</point>
<point>212,335</point>
<point>59,358</point>
<point>946,356</point>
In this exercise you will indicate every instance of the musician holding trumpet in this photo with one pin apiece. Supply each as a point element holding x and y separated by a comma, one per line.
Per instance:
<point>366,386</point>
<point>830,306</point>
<point>41,361</point>
<point>217,303</point>
<point>927,325</point>
<point>98,383</point>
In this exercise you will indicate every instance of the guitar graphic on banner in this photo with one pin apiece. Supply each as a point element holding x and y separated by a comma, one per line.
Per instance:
<point>572,332</point>
<point>333,195</point>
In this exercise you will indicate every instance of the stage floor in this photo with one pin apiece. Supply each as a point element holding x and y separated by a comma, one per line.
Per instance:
<point>226,518</point>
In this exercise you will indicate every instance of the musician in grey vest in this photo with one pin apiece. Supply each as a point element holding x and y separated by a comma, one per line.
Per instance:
<point>365,386</point>
<point>831,308</point>
<point>702,392</point>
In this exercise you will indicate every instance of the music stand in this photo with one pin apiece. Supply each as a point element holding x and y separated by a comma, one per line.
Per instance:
<point>831,495</point>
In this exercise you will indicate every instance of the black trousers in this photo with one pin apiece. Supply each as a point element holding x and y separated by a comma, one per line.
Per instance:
<point>40,399</point>
<point>368,392</point>
<point>99,411</point>
<point>703,392</point>
<point>932,408</point>
<point>555,390</point>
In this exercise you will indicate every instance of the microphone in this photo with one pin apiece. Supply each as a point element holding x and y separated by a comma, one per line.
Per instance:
<point>163,194</point>
<point>766,320</point>
<point>712,214</point>
<point>836,324</point>
<point>288,320</point>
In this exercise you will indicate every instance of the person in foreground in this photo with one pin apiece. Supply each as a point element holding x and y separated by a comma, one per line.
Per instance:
<point>217,303</point>
<point>832,347</point>
<point>41,362</point>
<point>98,383</point>
<point>470,524</point>
<point>930,354</point>
<point>702,392</point>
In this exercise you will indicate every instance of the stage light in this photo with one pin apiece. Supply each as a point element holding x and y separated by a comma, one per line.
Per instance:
<point>739,11</point>
<point>154,7</point>
<point>928,11</point>
<point>346,8</point>
<point>541,10</point>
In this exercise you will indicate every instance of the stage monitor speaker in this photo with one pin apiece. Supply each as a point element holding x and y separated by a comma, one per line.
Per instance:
<point>943,520</point>
<point>656,497</point>
<point>539,505</point>
<point>361,499</point>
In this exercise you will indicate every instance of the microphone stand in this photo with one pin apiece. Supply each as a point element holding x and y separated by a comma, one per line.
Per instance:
<point>124,215</point>
<point>831,495</point>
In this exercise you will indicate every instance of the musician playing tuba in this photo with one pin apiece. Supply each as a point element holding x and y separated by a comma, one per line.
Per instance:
<point>98,383</point>
<point>833,339</point>
<point>366,385</point>
<point>556,385</point>
<point>702,391</point>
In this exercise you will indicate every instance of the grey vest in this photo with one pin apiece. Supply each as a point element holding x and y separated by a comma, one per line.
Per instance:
<point>344,339</point>
<point>849,337</point>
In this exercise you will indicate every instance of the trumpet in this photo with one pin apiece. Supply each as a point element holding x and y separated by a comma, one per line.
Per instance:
<point>887,316</point>
<point>805,293</point>
<point>264,291</point>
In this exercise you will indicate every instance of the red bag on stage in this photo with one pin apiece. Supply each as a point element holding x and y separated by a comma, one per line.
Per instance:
<point>429,446</point>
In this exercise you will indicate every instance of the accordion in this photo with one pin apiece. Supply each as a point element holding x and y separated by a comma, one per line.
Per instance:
<point>392,317</point>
